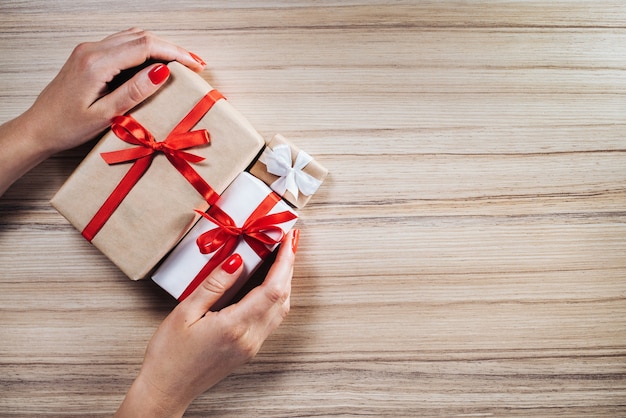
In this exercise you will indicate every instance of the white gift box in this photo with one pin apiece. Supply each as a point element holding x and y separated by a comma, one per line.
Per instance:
<point>242,197</point>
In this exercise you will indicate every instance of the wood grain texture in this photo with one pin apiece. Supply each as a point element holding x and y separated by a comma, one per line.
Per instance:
<point>466,255</point>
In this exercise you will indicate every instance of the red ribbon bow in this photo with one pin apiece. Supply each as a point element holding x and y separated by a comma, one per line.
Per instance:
<point>129,130</point>
<point>257,232</point>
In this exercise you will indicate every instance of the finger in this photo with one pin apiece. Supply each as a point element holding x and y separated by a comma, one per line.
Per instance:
<point>213,287</point>
<point>106,47</point>
<point>134,47</point>
<point>122,33</point>
<point>141,86</point>
<point>275,291</point>
<point>281,272</point>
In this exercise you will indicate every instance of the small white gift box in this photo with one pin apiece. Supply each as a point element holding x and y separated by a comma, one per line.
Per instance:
<point>248,219</point>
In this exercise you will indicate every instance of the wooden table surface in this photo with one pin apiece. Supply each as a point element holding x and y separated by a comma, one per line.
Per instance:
<point>466,256</point>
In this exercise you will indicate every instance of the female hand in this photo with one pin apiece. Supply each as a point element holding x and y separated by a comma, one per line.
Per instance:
<point>194,348</point>
<point>79,103</point>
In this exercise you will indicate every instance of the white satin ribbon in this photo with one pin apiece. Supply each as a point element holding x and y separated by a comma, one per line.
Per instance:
<point>292,179</point>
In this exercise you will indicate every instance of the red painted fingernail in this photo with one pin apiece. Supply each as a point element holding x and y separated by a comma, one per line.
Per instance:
<point>294,240</point>
<point>232,263</point>
<point>197,58</point>
<point>159,73</point>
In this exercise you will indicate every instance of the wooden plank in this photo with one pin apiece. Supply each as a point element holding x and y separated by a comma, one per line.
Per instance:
<point>466,255</point>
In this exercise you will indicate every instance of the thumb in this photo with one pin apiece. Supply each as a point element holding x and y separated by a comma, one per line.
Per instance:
<point>213,287</point>
<point>141,86</point>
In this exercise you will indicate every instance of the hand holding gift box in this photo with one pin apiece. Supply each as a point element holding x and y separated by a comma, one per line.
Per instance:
<point>289,171</point>
<point>133,196</point>
<point>248,219</point>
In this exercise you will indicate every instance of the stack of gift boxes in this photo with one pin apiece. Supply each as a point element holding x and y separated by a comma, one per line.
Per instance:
<point>184,181</point>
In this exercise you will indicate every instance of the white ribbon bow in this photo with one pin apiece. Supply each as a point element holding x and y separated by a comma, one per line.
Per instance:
<point>292,179</point>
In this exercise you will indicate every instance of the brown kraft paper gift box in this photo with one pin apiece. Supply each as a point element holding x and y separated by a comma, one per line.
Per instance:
<point>311,168</point>
<point>159,209</point>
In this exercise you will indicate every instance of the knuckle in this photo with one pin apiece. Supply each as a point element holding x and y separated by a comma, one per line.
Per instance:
<point>234,333</point>
<point>136,92</point>
<point>213,285</point>
<point>277,294</point>
<point>81,49</point>
<point>240,341</point>
<point>284,310</point>
<point>85,56</point>
<point>247,349</point>
<point>144,40</point>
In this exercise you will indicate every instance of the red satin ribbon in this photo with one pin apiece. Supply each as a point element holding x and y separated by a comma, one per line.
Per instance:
<point>129,130</point>
<point>224,238</point>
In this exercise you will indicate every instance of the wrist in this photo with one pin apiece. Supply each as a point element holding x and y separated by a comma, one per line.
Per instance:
<point>146,400</point>
<point>27,138</point>
<point>20,150</point>
<point>36,134</point>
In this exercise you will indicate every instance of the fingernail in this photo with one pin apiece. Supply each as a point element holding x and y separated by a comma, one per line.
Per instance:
<point>294,240</point>
<point>158,74</point>
<point>197,58</point>
<point>232,263</point>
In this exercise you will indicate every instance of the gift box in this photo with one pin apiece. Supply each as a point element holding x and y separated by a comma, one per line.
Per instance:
<point>289,171</point>
<point>133,195</point>
<point>248,219</point>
